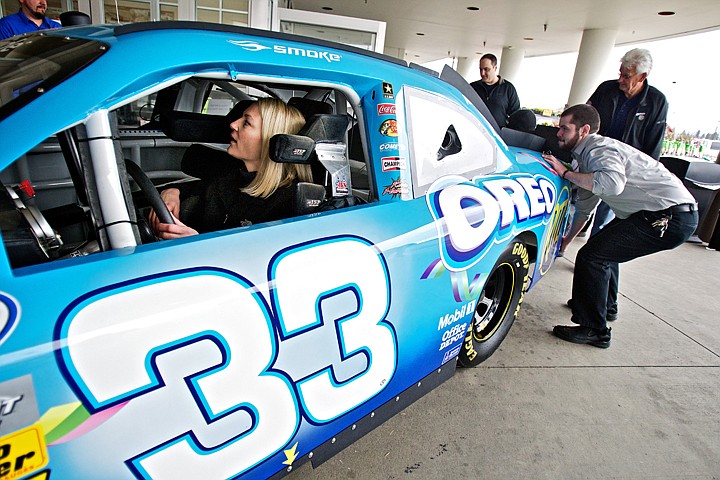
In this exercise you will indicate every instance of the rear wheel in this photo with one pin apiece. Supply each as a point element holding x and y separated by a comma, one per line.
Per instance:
<point>497,306</point>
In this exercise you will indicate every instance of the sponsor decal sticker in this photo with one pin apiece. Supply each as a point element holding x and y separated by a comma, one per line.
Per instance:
<point>390,164</point>
<point>472,216</point>
<point>388,90</point>
<point>341,186</point>
<point>386,109</point>
<point>452,353</point>
<point>389,147</point>
<point>457,330</point>
<point>249,45</point>
<point>554,231</point>
<point>397,188</point>
<point>9,316</point>
<point>285,50</point>
<point>18,406</point>
<point>389,128</point>
<point>22,453</point>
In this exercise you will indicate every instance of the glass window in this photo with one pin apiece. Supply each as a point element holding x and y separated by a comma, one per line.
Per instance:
<point>227,12</point>
<point>443,139</point>
<point>127,11</point>
<point>30,68</point>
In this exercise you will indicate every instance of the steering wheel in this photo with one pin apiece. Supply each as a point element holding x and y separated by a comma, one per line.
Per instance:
<point>149,191</point>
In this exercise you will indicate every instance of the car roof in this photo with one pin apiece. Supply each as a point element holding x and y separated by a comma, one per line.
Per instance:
<point>169,48</point>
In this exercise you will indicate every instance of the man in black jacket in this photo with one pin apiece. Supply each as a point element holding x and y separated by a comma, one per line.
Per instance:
<point>630,109</point>
<point>498,94</point>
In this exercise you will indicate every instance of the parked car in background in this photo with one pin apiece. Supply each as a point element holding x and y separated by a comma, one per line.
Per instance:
<point>243,352</point>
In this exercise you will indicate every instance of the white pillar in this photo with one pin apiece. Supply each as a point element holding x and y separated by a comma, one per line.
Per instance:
<point>262,14</point>
<point>468,68</point>
<point>595,49</point>
<point>510,62</point>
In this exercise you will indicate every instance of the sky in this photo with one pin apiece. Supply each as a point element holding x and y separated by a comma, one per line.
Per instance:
<point>686,69</point>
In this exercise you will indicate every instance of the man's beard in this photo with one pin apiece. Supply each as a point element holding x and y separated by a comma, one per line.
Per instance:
<point>37,14</point>
<point>568,144</point>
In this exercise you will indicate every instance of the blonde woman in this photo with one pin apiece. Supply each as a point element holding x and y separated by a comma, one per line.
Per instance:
<point>260,192</point>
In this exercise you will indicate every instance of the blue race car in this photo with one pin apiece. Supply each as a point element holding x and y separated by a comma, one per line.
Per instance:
<point>248,351</point>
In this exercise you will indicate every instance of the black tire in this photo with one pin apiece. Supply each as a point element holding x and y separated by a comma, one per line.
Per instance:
<point>498,305</point>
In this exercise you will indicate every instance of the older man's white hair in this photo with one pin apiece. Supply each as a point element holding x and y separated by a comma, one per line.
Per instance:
<point>639,58</point>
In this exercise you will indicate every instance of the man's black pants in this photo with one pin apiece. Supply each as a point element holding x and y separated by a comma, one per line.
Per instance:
<point>595,282</point>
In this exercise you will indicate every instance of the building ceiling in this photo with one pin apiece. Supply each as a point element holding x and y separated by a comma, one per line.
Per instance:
<point>541,27</point>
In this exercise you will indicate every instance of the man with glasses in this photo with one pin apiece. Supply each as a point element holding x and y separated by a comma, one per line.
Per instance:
<point>30,18</point>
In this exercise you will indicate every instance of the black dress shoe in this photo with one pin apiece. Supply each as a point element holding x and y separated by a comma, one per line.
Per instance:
<point>609,317</point>
<point>584,335</point>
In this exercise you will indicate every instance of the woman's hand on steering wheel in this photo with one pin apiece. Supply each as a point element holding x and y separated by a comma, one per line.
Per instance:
<point>169,231</point>
<point>171,198</point>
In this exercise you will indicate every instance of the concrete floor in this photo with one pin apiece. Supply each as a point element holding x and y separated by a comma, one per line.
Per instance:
<point>541,408</point>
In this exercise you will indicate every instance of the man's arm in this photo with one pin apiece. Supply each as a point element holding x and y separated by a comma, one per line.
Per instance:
<point>652,143</point>
<point>513,100</point>
<point>582,180</point>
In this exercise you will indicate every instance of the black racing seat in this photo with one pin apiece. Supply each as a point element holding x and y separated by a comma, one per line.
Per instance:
<point>321,144</point>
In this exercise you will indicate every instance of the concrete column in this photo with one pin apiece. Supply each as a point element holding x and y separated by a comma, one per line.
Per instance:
<point>262,14</point>
<point>469,68</point>
<point>595,49</point>
<point>510,62</point>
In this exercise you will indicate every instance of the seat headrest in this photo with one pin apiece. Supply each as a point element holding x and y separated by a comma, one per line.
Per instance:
<point>310,107</point>
<point>195,127</point>
<point>523,120</point>
<point>326,128</point>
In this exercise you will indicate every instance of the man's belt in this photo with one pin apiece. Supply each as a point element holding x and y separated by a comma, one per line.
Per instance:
<point>683,207</point>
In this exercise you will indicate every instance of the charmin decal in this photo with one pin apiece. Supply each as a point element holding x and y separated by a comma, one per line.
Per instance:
<point>388,90</point>
<point>386,109</point>
<point>285,50</point>
<point>397,188</point>
<point>472,216</point>
<point>9,316</point>
<point>392,164</point>
<point>389,128</point>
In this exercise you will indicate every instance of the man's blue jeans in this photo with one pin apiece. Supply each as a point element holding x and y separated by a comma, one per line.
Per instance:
<point>603,216</point>
<point>595,282</point>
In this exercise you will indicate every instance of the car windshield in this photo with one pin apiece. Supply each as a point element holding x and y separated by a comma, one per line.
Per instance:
<point>32,65</point>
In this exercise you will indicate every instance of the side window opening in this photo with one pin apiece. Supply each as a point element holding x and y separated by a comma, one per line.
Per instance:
<point>443,139</point>
<point>65,195</point>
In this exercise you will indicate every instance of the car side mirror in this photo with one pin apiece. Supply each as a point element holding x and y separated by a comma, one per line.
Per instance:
<point>286,148</point>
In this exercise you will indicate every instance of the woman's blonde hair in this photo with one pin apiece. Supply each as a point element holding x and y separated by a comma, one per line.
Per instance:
<point>277,117</point>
